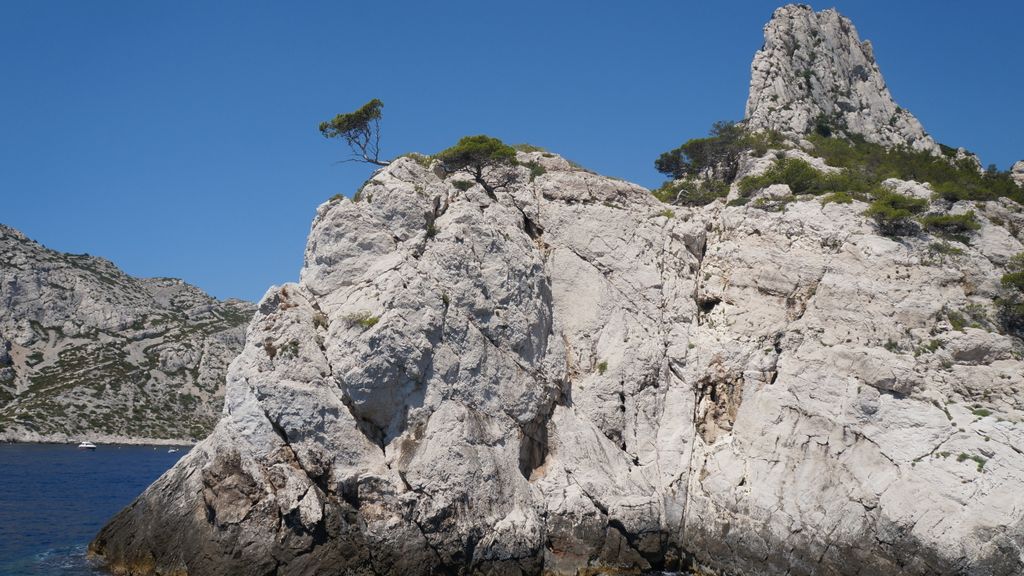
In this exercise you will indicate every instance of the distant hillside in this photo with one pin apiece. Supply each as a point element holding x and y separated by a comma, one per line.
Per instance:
<point>87,351</point>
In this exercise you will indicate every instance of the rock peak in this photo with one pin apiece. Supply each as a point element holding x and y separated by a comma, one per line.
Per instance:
<point>814,68</point>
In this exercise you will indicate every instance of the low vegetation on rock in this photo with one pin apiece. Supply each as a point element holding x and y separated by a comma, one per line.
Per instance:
<point>869,164</point>
<point>87,351</point>
<point>1011,303</point>
<point>893,213</point>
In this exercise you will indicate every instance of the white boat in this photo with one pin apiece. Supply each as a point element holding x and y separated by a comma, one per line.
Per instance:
<point>87,446</point>
<point>172,450</point>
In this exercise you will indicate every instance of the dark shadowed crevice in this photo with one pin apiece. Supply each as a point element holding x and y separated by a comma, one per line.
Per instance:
<point>349,492</point>
<point>531,228</point>
<point>533,446</point>
<point>708,304</point>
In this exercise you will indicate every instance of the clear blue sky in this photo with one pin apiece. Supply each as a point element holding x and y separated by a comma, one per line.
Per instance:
<point>179,138</point>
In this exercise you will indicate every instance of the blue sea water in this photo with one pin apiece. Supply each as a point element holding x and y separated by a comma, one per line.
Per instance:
<point>55,498</point>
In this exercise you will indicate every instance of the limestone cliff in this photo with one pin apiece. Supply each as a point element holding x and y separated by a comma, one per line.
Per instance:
<point>574,376</point>
<point>814,66</point>
<point>88,352</point>
<point>571,377</point>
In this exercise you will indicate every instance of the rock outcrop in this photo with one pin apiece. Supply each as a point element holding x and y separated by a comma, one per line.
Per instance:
<point>90,352</point>
<point>575,378</point>
<point>1017,173</point>
<point>813,67</point>
<point>570,377</point>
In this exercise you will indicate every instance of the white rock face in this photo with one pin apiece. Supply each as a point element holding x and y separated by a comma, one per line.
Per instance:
<point>89,352</point>
<point>1017,172</point>
<point>568,380</point>
<point>814,65</point>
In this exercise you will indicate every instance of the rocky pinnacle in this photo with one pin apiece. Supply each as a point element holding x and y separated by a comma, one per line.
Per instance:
<point>813,67</point>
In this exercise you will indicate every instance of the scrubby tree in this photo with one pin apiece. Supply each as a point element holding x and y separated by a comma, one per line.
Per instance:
<point>360,130</point>
<point>489,161</point>
<point>716,156</point>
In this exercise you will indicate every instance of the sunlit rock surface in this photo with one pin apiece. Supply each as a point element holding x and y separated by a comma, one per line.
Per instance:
<point>573,377</point>
<point>813,66</point>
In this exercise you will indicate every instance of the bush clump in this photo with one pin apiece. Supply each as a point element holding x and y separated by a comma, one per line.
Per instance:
<point>802,178</point>
<point>837,198</point>
<point>1011,303</point>
<point>892,212</point>
<point>692,191</point>
<point>536,169</point>
<point>953,226</point>
<point>950,179</point>
<point>524,147</point>
<point>362,319</point>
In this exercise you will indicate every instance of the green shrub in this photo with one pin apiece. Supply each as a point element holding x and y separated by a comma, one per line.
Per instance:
<point>945,249</point>
<point>802,178</point>
<point>667,213</point>
<point>955,191</point>
<point>956,320</point>
<point>364,319</point>
<point>1010,304</point>
<point>1014,277</point>
<point>772,204</point>
<point>873,163</point>
<point>977,459</point>
<point>463,185</point>
<point>692,191</point>
<point>536,169</point>
<point>838,198</point>
<point>954,226</point>
<point>760,142</point>
<point>602,367</point>
<point>892,212</point>
<point>420,159</point>
<point>527,148</point>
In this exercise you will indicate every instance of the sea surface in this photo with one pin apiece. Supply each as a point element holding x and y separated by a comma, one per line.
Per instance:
<point>55,498</point>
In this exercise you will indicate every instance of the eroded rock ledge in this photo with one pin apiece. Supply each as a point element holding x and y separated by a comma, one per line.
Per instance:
<point>574,378</point>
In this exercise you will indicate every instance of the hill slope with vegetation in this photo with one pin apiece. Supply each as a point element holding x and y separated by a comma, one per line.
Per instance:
<point>90,353</point>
